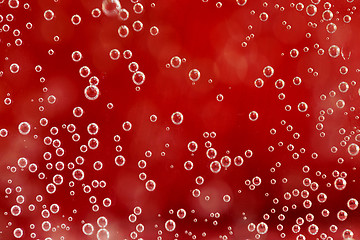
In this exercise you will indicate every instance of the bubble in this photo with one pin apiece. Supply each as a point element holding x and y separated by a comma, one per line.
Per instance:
<point>211,153</point>
<point>241,2</point>
<point>123,14</point>
<point>181,213</point>
<point>154,30</point>
<point>268,71</point>
<point>170,225</point>
<point>123,31</point>
<point>342,215</point>
<point>347,19</point>
<point>150,185</point>
<point>78,112</point>
<point>175,62</point>
<point>225,161</point>
<point>263,16</point>
<point>177,118</point>
<point>194,75</point>
<point>76,19</point>
<point>18,232</point>
<point>138,8</point>
<point>313,229</point>
<point>92,92</point>
<point>84,71</point>
<point>76,56</point>
<point>215,166</point>
<point>353,149</point>
<point>340,183</point>
<point>103,234</point>
<point>352,204</point>
<point>302,107</point>
<point>127,126</point>
<point>138,78</point>
<point>253,115</point>
<point>15,210</point>
<point>22,162</point>
<point>120,160</point>
<point>111,7</point>
<point>311,10</point>
<point>334,51</point>
<point>238,161</point>
<point>102,222</point>
<point>88,229</point>
<point>49,15</point>
<point>343,87</point>
<point>137,26</point>
<point>327,15</point>
<point>24,128</point>
<point>96,12</point>
<point>262,228</point>
<point>114,54</point>
<point>259,83</point>
<point>13,3</point>
<point>331,28</point>
<point>348,234</point>
<point>294,53</point>
<point>192,146</point>
<point>14,68</point>
<point>279,84</point>
<point>78,174</point>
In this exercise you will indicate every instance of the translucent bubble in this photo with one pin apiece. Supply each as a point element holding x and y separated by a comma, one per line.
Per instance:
<point>170,225</point>
<point>181,213</point>
<point>137,26</point>
<point>127,126</point>
<point>76,19</point>
<point>24,128</point>
<point>22,162</point>
<point>311,10</point>
<point>177,118</point>
<point>279,84</point>
<point>76,56</point>
<point>138,78</point>
<point>263,16</point>
<point>102,222</point>
<point>241,2</point>
<point>259,83</point>
<point>138,8</point>
<point>192,146</point>
<point>175,62</point>
<point>352,204</point>
<point>123,14</point>
<point>238,161</point>
<point>342,215</point>
<point>14,68</point>
<point>343,87</point>
<point>334,51</point>
<point>353,149</point>
<point>327,15</point>
<point>331,28</point>
<point>111,7</point>
<point>294,53</point>
<point>84,71</point>
<point>215,167</point>
<point>262,228</point>
<point>92,128</point>
<point>13,3</point>
<point>211,153</point>
<point>225,161</point>
<point>88,229</point>
<point>103,234</point>
<point>96,12</point>
<point>348,234</point>
<point>253,115</point>
<point>18,232</point>
<point>49,15</point>
<point>340,183</point>
<point>194,75</point>
<point>150,185</point>
<point>15,210</point>
<point>313,229</point>
<point>114,54</point>
<point>78,112</point>
<point>123,31</point>
<point>154,30</point>
<point>78,174</point>
<point>92,92</point>
<point>268,71</point>
<point>302,107</point>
